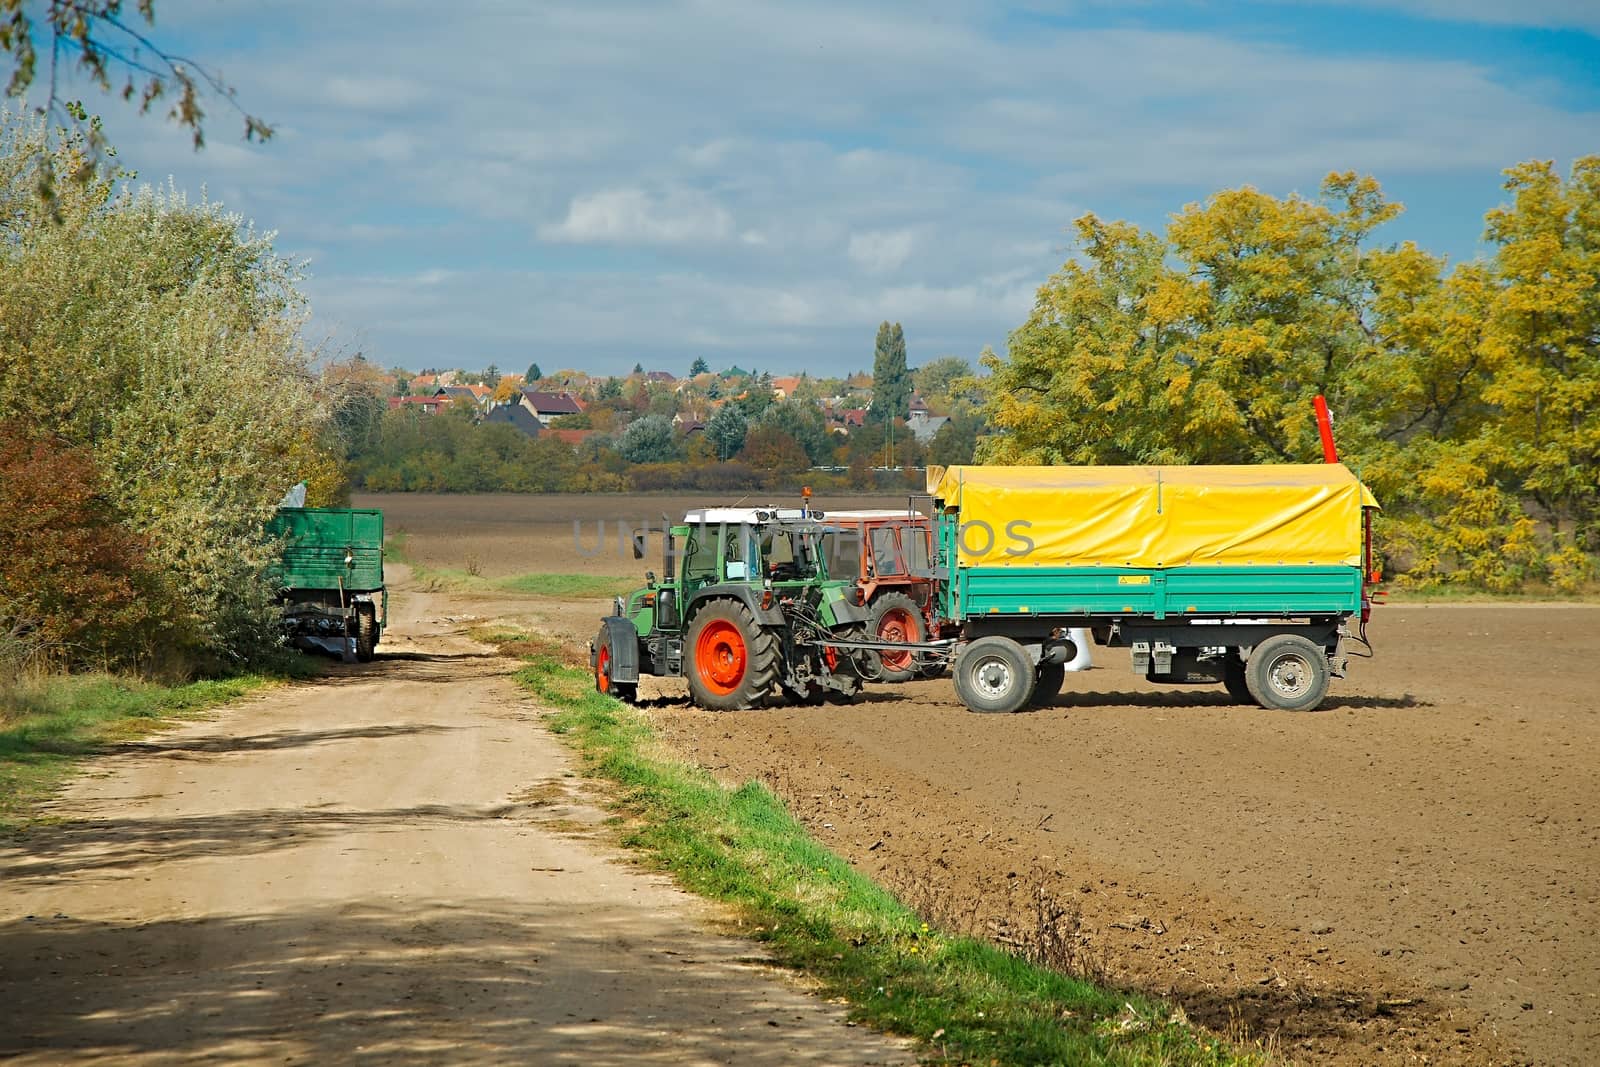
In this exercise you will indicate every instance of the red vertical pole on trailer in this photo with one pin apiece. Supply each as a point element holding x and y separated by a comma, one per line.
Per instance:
<point>1325,428</point>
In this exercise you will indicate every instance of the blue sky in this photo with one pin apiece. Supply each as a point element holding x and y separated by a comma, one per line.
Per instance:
<point>588,184</point>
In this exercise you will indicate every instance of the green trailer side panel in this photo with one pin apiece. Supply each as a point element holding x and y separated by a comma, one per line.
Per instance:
<point>327,548</point>
<point>1156,593</point>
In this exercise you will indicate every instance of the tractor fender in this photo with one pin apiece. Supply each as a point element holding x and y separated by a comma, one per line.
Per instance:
<point>744,594</point>
<point>847,612</point>
<point>624,648</point>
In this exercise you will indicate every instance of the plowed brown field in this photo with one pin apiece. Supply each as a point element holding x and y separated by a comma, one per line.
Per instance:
<point>1410,874</point>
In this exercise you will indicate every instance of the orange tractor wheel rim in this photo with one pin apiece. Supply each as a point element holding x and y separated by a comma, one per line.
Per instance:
<point>720,657</point>
<point>896,625</point>
<point>602,669</point>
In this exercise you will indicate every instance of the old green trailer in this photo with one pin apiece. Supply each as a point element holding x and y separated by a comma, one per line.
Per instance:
<point>331,579</point>
<point>1248,576</point>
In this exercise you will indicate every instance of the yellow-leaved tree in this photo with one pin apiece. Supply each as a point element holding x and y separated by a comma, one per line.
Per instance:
<point>1467,398</point>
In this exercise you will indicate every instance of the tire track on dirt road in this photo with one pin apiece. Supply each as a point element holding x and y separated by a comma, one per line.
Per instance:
<point>389,865</point>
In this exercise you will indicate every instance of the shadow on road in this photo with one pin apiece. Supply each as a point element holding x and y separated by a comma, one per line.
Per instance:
<point>118,844</point>
<point>444,982</point>
<point>282,739</point>
<point>430,667</point>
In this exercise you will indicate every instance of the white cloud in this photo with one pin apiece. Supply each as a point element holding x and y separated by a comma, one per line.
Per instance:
<point>633,216</point>
<point>1548,14</point>
<point>882,251</point>
<point>781,176</point>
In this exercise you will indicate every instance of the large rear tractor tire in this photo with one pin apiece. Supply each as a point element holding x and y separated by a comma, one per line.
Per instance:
<point>994,674</point>
<point>896,617</point>
<point>1287,673</point>
<point>731,661</point>
<point>604,658</point>
<point>366,635</point>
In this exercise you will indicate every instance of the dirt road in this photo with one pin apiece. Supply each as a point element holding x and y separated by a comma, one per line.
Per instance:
<point>391,866</point>
<point>1413,871</point>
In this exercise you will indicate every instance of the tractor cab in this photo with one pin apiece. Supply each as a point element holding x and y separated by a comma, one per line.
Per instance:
<point>744,606</point>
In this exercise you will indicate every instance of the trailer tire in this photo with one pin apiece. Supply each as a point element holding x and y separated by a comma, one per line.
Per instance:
<point>604,657</point>
<point>896,617</point>
<point>1287,672</point>
<point>994,675</point>
<point>366,635</point>
<point>730,660</point>
<point>1051,676</point>
<point>1234,679</point>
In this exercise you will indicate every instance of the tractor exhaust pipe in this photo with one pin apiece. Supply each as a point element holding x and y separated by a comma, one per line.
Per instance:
<point>1330,454</point>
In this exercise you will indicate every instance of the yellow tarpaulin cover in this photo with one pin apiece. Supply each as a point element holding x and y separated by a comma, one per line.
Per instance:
<point>1292,514</point>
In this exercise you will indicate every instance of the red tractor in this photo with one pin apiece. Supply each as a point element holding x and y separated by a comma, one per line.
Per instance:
<point>888,556</point>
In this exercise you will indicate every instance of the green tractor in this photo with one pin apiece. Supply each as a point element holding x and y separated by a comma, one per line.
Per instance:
<point>745,611</point>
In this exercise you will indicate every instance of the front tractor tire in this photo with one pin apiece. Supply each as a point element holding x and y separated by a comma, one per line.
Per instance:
<point>995,674</point>
<point>1287,673</point>
<point>896,617</point>
<point>732,661</point>
<point>605,657</point>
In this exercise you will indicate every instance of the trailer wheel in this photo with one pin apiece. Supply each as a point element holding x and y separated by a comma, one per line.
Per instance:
<point>994,674</point>
<point>1287,673</point>
<point>1051,676</point>
<point>1234,680</point>
<point>896,617</point>
<point>732,661</point>
<point>366,635</point>
<point>604,657</point>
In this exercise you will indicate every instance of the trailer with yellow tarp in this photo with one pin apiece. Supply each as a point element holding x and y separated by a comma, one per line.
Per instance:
<point>1247,575</point>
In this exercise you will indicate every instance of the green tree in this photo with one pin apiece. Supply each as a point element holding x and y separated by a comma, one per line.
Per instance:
<point>891,380</point>
<point>956,441</point>
<point>164,338</point>
<point>726,431</point>
<point>803,422</point>
<point>649,439</point>
<point>699,366</point>
<point>939,379</point>
<point>534,373</point>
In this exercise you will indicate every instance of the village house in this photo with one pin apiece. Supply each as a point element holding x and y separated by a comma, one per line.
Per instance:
<point>515,415</point>
<point>548,406</point>
<point>428,405</point>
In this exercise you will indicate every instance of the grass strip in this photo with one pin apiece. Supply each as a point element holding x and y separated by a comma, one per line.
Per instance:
<point>965,1000</point>
<point>557,586</point>
<point>48,725</point>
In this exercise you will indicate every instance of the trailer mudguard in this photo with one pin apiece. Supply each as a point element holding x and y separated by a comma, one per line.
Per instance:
<point>624,648</point>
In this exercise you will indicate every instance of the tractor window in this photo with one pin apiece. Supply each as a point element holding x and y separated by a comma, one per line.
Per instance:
<point>786,556</point>
<point>738,552</point>
<point>841,547</point>
<point>700,556</point>
<point>885,552</point>
<point>915,541</point>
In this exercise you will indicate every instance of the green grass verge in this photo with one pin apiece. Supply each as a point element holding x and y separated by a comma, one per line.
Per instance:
<point>48,725</point>
<point>965,1000</point>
